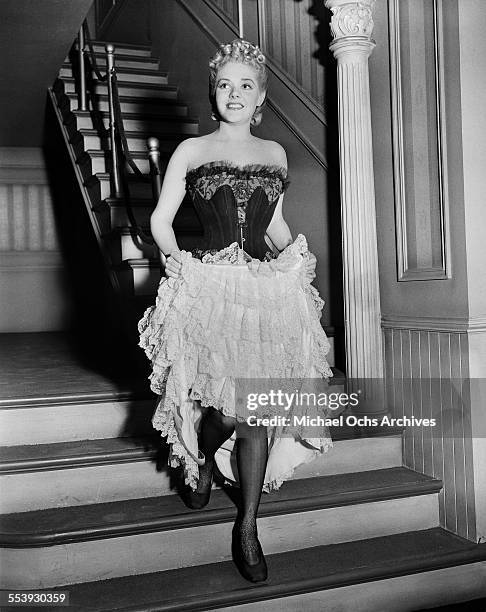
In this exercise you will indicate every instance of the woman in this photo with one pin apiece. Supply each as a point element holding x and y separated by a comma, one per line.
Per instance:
<point>199,336</point>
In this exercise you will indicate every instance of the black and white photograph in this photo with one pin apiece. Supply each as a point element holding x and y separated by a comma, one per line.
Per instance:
<point>243,305</point>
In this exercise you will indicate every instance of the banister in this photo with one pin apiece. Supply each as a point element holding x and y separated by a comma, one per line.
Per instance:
<point>153,146</point>
<point>120,154</point>
<point>82,71</point>
<point>110,71</point>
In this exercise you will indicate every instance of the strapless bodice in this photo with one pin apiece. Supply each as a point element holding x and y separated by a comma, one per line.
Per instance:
<point>235,204</point>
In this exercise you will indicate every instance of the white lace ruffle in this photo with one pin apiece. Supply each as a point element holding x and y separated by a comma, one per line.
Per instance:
<point>223,321</point>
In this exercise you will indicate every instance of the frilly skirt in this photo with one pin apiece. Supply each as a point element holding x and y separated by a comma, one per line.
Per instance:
<point>227,320</point>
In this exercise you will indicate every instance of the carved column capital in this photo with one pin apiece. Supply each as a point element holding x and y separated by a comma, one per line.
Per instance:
<point>351,26</point>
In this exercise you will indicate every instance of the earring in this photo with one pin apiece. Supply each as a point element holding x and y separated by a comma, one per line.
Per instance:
<point>213,117</point>
<point>254,119</point>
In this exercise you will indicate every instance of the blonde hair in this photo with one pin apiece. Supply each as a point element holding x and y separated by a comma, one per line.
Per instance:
<point>245,52</point>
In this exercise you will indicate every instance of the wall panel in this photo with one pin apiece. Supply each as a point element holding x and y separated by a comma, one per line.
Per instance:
<point>229,8</point>
<point>427,377</point>
<point>419,142</point>
<point>32,279</point>
<point>287,35</point>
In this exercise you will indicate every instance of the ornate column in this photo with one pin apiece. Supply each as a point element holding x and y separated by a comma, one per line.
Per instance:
<point>351,27</point>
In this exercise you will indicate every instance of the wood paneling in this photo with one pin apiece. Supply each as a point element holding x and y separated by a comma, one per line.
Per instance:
<point>287,35</point>
<point>420,172</point>
<point>32,276</point>
<point>229,8</point>
<point>427,377</point>
<point>26,218</point>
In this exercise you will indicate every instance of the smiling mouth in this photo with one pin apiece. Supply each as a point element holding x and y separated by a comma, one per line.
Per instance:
<point>234,106</point>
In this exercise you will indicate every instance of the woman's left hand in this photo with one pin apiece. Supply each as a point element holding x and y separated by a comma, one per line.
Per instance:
<point>310,266</point>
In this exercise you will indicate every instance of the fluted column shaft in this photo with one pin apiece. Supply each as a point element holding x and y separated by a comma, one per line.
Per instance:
<point>351,26</point>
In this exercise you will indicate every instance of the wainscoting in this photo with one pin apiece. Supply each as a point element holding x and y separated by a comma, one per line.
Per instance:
<point>32,280</point>
<point>428,377</point>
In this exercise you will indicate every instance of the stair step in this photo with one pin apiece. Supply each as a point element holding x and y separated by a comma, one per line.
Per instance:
<point>128,517</point>
<point>142,209</point>
<point>28,421</point>
<point>132,104</point>
<point>80,453</point>
<point>125,88</point>
<point>122,60</point>
<point>132,122</point>
<point>87,139</point>
<point>142,275</point>
<point>82,418</point>
<point>327,571</point>
<point>160,532</point>
<point>123,48</point>
<point>93,162</point>
<point>94,471</point>
<point>99,187</point>
<point>125,75</point>
<point>130,246</point>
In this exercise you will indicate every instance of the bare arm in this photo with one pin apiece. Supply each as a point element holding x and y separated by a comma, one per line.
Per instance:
<point>278,231</point>
<point>171,196</point>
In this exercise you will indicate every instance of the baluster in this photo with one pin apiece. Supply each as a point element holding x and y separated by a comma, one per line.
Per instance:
<point>155,168</point>
<point>110,68</point>
<point>82,73</point>
<point>153,146</point>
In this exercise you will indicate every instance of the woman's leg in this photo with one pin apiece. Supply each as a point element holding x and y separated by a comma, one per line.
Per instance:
<point>251,458</point>
<point>215,430</point>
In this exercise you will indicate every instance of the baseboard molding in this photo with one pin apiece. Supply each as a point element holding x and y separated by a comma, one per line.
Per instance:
<point>29,261</point>
<point>22,166</point>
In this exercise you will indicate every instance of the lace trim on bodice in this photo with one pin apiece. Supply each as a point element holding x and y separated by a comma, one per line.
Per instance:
<point>243,180</point>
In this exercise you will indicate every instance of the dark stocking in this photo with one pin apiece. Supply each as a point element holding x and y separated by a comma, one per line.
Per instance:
<point>251,459</point>
<point>215,430</point>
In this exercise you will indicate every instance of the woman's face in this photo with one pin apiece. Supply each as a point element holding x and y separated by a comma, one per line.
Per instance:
<point>238,92</point>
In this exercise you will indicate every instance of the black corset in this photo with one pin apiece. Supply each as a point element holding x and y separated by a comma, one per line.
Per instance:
<point>235,204</point>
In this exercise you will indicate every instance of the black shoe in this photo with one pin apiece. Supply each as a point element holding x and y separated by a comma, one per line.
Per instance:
<point>256,572</point>
<point>199,499</point>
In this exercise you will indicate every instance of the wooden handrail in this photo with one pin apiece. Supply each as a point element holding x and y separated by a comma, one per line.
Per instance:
<point>120,154</point>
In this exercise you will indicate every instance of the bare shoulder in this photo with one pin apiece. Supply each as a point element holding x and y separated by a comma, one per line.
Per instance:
<point>191,149</point>
<point>274,152</point>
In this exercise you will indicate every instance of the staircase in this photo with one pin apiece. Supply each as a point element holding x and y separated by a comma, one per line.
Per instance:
<point>88,505</point>
<point>150,107</point>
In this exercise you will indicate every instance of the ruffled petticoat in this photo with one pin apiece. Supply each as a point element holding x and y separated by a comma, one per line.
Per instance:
<point>224,320</point>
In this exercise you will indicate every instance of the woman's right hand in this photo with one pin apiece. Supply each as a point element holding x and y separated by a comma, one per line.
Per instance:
<point>173,264</point>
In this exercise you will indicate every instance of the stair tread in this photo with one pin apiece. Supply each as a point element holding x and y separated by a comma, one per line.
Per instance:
<point>108,450</point>
<point>103,153</point>
<point>115,519</point>
<point>49,368</point>
<point>74,453</point>
<point>125,56</point>
<point>132,134</point>
<point>167,141</point>
<point>136,100</point>
<point>122,83</point>
<point>123,45</point>
<point>147,116</point>
<point>129,70</point>
<point>294,572</point>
